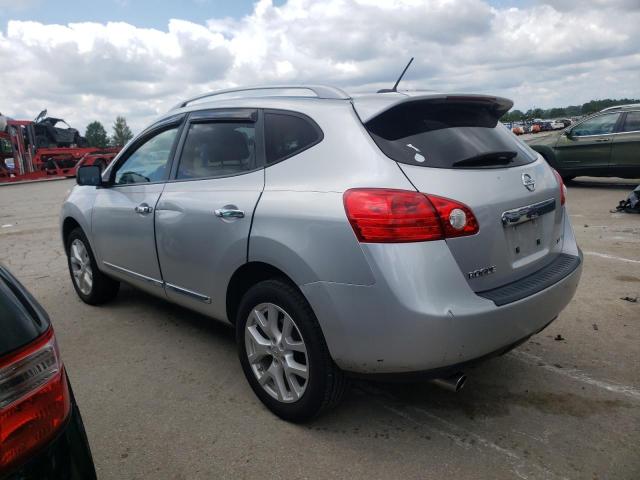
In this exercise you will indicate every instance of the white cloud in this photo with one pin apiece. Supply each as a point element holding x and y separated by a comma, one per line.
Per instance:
<point>547,54</point>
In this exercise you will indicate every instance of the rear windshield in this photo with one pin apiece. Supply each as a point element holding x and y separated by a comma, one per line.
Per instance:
<point>20,321</point>
<point>444,135</point>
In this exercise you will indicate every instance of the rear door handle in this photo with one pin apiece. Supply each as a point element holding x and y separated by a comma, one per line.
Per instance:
<point>228,213</point>
<point>600,140</point>
<point>143,209</point>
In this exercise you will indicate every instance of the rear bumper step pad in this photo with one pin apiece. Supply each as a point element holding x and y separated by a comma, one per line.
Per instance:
<point>534,283</point>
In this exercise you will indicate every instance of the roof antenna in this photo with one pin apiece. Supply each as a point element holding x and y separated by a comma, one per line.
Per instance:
<point>395,87</point>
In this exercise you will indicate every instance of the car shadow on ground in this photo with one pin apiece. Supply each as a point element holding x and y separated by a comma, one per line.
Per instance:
<point>499,387</point>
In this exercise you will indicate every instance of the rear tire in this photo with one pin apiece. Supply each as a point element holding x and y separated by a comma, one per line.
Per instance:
<point>91,285</point>
<point>289,396</point>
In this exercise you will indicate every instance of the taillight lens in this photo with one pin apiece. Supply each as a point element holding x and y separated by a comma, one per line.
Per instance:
<point>563,189</point>
<point>457,219</point>
<point>380,215</point>
<point>34,399</point>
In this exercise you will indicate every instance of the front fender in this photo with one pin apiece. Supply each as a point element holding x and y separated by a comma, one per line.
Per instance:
<point>79,206</point>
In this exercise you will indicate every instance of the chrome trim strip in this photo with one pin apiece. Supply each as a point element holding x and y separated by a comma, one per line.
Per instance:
<point>188,293</point>
<point>529,212</point>
<point>624,133</point>
<point>153,281</point>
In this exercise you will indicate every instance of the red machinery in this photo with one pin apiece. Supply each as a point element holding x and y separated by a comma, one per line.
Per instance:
<point>24,161</point>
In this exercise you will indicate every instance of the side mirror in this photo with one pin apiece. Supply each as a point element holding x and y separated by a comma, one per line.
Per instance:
<point>89,175</point>
<point>567,133</point>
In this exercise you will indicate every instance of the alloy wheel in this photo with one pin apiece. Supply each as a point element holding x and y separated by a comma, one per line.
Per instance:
<point>277,353</point>
<point>81,266</point>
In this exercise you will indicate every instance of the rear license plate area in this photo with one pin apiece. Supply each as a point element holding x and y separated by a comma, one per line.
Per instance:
<point>526,238</point>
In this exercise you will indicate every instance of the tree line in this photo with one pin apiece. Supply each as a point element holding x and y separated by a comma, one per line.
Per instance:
<point>97,137</point>
<point>563,112</point>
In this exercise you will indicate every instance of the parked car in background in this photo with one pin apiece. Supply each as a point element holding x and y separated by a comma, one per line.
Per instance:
<point>41,432</point>
<point>606,144</point>
<point>545,126</point>
<point>558,125</point>
<point>382,234</point>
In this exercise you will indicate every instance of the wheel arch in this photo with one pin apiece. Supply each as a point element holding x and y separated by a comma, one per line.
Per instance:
<point>68,225</point>
<point>245,277</point>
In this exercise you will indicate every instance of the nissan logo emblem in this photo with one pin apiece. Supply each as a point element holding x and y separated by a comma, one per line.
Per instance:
<point>528,182</point>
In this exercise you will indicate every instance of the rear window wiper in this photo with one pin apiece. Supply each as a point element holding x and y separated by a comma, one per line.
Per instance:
<point>488,159</point>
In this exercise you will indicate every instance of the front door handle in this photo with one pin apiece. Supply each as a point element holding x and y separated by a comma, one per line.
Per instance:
<point>143,209</point>
<point>227,212</point>
<point>600,140</point>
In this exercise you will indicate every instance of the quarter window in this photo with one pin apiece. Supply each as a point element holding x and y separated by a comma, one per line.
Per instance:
<point>149,162</point>
<point>287,135</point>
<point>600,125</point>
<point>632,122</point>
<point>218,149</point>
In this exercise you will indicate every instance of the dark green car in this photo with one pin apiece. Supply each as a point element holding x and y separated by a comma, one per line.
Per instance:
<point>606,144</point>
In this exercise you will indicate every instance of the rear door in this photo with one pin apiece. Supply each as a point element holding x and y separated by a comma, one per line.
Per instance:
<point>455,148</point>
<point>124,212</point>
<point>587,146</point>
<point>204,216</point>
<point>625,154</point>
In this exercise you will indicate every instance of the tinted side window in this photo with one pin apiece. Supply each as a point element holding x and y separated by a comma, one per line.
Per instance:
<point>149,161</point>
<point>600,125</point>
<point>287,135</point>
<point>632,122</point>
<point>218,149</point>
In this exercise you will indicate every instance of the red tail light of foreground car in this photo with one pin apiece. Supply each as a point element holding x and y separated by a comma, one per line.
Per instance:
<point>34,399</point>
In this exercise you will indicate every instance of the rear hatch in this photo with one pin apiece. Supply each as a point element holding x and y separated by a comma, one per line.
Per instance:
<point>455,147</point>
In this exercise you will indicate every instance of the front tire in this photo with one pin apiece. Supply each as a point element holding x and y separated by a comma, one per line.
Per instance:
<point>283,352</point>
<point>91,285</point>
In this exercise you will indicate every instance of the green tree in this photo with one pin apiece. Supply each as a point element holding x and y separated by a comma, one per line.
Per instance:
<point>121,132</point>
<point>96,135</point>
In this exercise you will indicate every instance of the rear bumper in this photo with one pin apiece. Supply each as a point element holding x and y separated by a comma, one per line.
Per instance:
<point>422,315</point>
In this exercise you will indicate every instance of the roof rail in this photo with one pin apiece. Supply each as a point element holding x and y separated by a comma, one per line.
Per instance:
<point>320,91</point>
<point>621,107</point>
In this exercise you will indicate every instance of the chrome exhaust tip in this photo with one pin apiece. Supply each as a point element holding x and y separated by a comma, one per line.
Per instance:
<point>454,383</point>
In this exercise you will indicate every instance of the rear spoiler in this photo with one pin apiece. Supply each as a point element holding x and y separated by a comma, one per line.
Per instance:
<point>369,107</point>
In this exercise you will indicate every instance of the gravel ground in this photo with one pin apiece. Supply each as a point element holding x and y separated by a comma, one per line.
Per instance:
<point>163,395</point>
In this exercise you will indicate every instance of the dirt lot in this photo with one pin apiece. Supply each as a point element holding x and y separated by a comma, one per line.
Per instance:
<point>163,395</point>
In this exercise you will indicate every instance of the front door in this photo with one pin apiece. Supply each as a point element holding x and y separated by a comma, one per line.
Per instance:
<point>587,147</point>
<point>124,211</point>
<point>203,218</point>
<point>625,154</point>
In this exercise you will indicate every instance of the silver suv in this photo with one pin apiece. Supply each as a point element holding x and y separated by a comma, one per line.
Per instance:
<point>384,234</point>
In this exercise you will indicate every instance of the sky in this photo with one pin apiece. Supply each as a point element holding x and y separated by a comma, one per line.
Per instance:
<point>86,61</point>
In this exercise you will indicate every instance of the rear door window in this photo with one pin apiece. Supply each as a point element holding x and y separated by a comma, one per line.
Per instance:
<point>218,149</point>
<point>447,136</point>
<point>287,134</point>
<point>632,122</point>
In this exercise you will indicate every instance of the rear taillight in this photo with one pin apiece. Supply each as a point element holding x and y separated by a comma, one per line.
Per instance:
<point>397,216</point>
<point>34,399</point>
<point>563,189</point>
